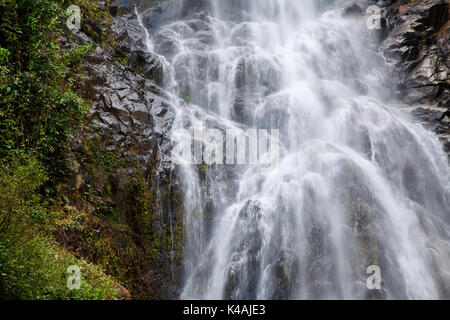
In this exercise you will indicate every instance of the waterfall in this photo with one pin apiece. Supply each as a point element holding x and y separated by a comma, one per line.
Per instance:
<point>359,182</point>
<point>148,41</point>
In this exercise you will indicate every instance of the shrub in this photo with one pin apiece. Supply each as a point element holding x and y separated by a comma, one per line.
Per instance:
<point>32,266</point>
<point>39,108</point>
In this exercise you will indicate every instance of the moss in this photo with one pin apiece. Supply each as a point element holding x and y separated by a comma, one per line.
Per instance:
<point>96,22</point>
<point>122,60</point>
<point>96,156</point>
<point>133,232</point>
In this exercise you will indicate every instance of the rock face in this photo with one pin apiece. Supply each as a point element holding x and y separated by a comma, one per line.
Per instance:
<point>418,46</point>
<point>120,172</point>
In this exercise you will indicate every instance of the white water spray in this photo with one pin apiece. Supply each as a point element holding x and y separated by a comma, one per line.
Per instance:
<point>359,183</point>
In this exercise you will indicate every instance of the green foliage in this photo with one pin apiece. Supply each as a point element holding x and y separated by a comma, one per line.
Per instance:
<point>141,203</point>
<point>4,56</point>
<point>32,266</point>
<point>39,108</point>
<point>122,60</point>
<point>95,22</point>
<point>18,185</point>
<point>98,157</point>
<point>36,268</point>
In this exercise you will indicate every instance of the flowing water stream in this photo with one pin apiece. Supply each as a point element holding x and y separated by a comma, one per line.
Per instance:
<point>359,183</point>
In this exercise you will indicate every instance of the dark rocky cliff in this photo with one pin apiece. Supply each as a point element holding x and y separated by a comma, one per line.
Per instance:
<point>417,44</point>
<point>132,223</point>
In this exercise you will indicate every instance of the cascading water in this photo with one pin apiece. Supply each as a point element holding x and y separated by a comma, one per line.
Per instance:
<point>359,183</point>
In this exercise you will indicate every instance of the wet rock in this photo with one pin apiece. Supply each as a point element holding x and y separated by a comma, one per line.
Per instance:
<point>123,100</point>
<point>417,45</point>
<point>254,79</point>
<point>353,9</point>
<point>76,144</point>
<point>147,64</point>
<point>243,272</point>
<point>127,137</point>
<point>121,7</point>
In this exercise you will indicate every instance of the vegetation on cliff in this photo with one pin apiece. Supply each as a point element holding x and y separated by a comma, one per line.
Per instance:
<point>40,109</point>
